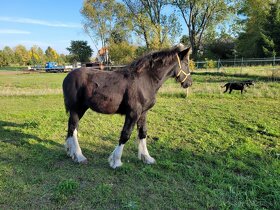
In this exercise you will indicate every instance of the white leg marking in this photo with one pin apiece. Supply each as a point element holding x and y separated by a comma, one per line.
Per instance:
<point>73,148</point>
<point>143,153</point>
<point>115,157</point>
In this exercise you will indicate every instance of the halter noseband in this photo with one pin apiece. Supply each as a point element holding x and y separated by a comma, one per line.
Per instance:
<point>181,70</point>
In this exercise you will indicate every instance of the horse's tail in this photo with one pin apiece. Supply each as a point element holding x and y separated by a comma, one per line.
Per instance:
<point>70,92</point>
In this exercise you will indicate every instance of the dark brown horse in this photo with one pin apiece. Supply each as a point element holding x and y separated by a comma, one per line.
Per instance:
<point>130,91</point>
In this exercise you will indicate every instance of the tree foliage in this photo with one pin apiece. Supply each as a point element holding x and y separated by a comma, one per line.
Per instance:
<point>80,50</point>
<point>51,54</point>
<point>122,52</point>
<point>102,18</point>
<point>36,55</point>
<point>270,34</point>
<point>157,28</point>
<point>261,35</point>
<point>222,47</point>
<point>21,55</point>
<point>199,15</point>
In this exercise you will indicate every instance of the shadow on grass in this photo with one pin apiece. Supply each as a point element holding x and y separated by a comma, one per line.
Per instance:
<point>11,133</point>
<point>36,153</point>
<point>179,175</point>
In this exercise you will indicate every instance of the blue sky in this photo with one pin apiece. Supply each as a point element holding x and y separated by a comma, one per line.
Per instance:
<point>41,22</point>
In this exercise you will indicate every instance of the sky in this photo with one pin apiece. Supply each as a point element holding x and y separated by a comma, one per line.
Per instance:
<point>43,23</point>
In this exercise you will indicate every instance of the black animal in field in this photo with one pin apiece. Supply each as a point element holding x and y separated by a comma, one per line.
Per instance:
<point>237,85</point>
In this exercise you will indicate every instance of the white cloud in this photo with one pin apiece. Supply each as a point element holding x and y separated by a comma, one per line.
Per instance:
<point>39,22</point>
<point>13,31</point>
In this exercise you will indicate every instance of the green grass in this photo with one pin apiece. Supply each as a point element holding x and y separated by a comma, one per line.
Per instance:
<point>13,68</point>
<point>214,150</point>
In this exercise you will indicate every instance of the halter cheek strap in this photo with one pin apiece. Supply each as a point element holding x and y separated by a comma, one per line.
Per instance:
<point>181,70</point>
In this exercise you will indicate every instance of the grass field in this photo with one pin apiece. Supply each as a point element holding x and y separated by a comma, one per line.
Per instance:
<point>214,150</point>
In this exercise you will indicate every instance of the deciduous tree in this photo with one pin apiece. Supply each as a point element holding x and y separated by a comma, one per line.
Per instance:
<point>9,54</point>
<point>80,50</point>
<point>51,54</point>
<point>157,28</point>
<point>199,15</point>
<point>102,17</point>
<point>21,55</point>
<point>36,55</point>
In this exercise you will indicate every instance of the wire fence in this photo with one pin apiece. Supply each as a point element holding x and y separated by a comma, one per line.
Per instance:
<point>238,62</point>
<point>267,67</point>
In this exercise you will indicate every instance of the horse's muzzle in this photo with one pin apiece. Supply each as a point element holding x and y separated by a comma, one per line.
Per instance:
<point>186,84</point>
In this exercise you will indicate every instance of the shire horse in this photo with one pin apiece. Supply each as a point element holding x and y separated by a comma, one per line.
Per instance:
<point>129,91</point>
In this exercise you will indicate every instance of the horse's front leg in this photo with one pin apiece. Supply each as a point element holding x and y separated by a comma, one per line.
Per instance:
<point>115,157</point>
<point>143,153</point>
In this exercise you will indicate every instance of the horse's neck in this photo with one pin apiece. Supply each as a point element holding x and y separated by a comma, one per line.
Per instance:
<point>162,75</point>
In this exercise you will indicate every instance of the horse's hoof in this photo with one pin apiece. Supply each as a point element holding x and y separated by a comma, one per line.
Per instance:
<point>114,163</point>
<point>83,162</point>
<point>79,158</point>
<point>148,159</point>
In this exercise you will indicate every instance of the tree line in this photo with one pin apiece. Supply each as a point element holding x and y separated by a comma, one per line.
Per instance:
<point>215,29</point>
<point>129,28</point>
<point>79,51</point>
<point>22,56</point>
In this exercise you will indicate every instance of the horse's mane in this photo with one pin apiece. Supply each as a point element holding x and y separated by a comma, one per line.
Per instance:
<point>164,56</point>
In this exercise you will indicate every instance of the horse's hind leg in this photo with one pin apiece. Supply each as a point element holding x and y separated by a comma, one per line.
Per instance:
<point>143,153</point>
<point>72,145</point>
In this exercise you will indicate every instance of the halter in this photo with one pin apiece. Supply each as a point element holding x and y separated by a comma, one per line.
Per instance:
<point>181,70</point>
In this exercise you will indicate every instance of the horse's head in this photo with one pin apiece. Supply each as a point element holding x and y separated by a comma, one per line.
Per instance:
<point>181,70</point>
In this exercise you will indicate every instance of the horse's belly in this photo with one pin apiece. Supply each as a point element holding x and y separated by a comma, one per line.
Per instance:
<point>105,104</point>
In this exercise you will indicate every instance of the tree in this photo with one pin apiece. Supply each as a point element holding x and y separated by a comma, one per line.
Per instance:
<point>80,50</point>
<point>21,55</point>
<point>185,40</point>
<point>51,54</point>
<point>199,15</point>
<point>3,59</point>
<point>36,55</point>
<point>222,47</point>
<point>261,35</point>
<point>249,41</point>
<point>122,52</point>
<point>156,28</point>
<point>9,54</point>
<point>103,17</point>
<point>270,34</point>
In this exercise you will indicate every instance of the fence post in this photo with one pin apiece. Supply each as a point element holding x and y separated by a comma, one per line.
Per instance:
<point>241,65</point>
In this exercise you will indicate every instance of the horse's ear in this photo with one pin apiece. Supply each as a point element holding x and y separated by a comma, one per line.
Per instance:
<point>185,53</point>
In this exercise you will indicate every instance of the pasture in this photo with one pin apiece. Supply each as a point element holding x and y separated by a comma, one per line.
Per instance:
<point>213,150</point>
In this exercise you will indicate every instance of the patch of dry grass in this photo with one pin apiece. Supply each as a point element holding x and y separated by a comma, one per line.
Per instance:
<point>12,91</point>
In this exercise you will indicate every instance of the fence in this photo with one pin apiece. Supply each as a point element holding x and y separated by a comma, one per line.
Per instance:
<point>268,68</point>
<point>238,62</point>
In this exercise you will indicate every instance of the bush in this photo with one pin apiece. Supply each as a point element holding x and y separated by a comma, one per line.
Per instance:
<point>210,64</point>
<point>192,65</point>
<point>122,53</point>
